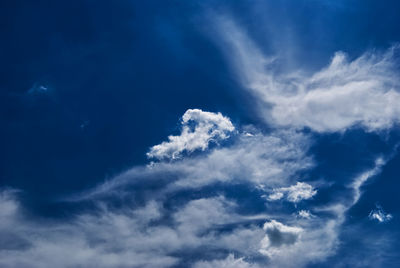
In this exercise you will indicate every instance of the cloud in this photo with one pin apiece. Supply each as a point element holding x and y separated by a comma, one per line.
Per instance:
<point>139,237</point>
<point>183,213</point>
<point>295,193</point>
<point>200,231</point>
<point>261,161</point>
<point>207,127</point>
<point>361,92</point>
<point>196,230</point>
<point>379,215</point>
<point>359,181</point>
<point>37,89</point>
<point>278,234</point>
<point>228,262</point>
<point>305,214</point>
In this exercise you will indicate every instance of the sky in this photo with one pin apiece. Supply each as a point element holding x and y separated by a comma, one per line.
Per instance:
<point>200,134</point>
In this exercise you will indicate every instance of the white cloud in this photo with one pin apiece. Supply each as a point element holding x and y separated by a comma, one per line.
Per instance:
<point>379,215</point>
<point>294,193</point>
<point>306,214</point>
<point>122,238</point>
<point>359,181</point>
<point>155,236</point>
<point>344,94</point>
<point>361,92</point>
<point>278,235</point>
<point>203,213</point>
<point>228,262</point>
<point>262,160</point>
<point>207,127</point>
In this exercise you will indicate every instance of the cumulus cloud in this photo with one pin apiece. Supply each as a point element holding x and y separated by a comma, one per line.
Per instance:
<point>278,235</point>
<point>206,127</point>
<point>361,92</point>
<point>294,193</point>
<point>379,215</point>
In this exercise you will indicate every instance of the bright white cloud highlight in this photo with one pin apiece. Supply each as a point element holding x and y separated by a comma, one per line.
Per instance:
<point>294,193</point>
<point>362,92</point>
<point>379,215</point>
<point>206,127</point>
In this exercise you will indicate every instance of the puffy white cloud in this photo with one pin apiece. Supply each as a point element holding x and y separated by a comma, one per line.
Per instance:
<point>379,215</point>
<point>294,193</point>
<point>362,92</point>
<point>206,127</point>
<point>278,235</point>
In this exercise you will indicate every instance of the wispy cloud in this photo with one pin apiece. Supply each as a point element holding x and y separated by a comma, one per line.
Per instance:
<point>37,89</point>
<point>228,262</point>
<point>294,193</point>
<point>172,218</point>
<point>362,92</point>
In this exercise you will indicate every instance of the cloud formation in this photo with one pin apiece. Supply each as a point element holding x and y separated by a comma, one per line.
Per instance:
<point>361,92</point>
<point>183,213</point>
<point>229,262</point>
<point>379,215</point>
<point>294,193</point>
<point>199,229</point>
<point>206,127</point>
<point>260,160</point>
<point>278,235</point>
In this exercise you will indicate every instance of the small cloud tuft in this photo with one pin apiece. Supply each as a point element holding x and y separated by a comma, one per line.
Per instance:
<point>379,215</point>
<point>199,128</point>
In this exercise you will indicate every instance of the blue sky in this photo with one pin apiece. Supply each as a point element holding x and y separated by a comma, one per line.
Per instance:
<point>199,133</point>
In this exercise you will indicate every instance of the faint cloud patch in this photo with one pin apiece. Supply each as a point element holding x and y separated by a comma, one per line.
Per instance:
<point>38,89</point>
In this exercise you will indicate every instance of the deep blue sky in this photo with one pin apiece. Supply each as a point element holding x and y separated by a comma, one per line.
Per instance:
<point>87,87</point>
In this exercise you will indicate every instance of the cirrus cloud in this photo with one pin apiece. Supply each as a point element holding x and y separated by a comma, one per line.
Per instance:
<point>361,92</point>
